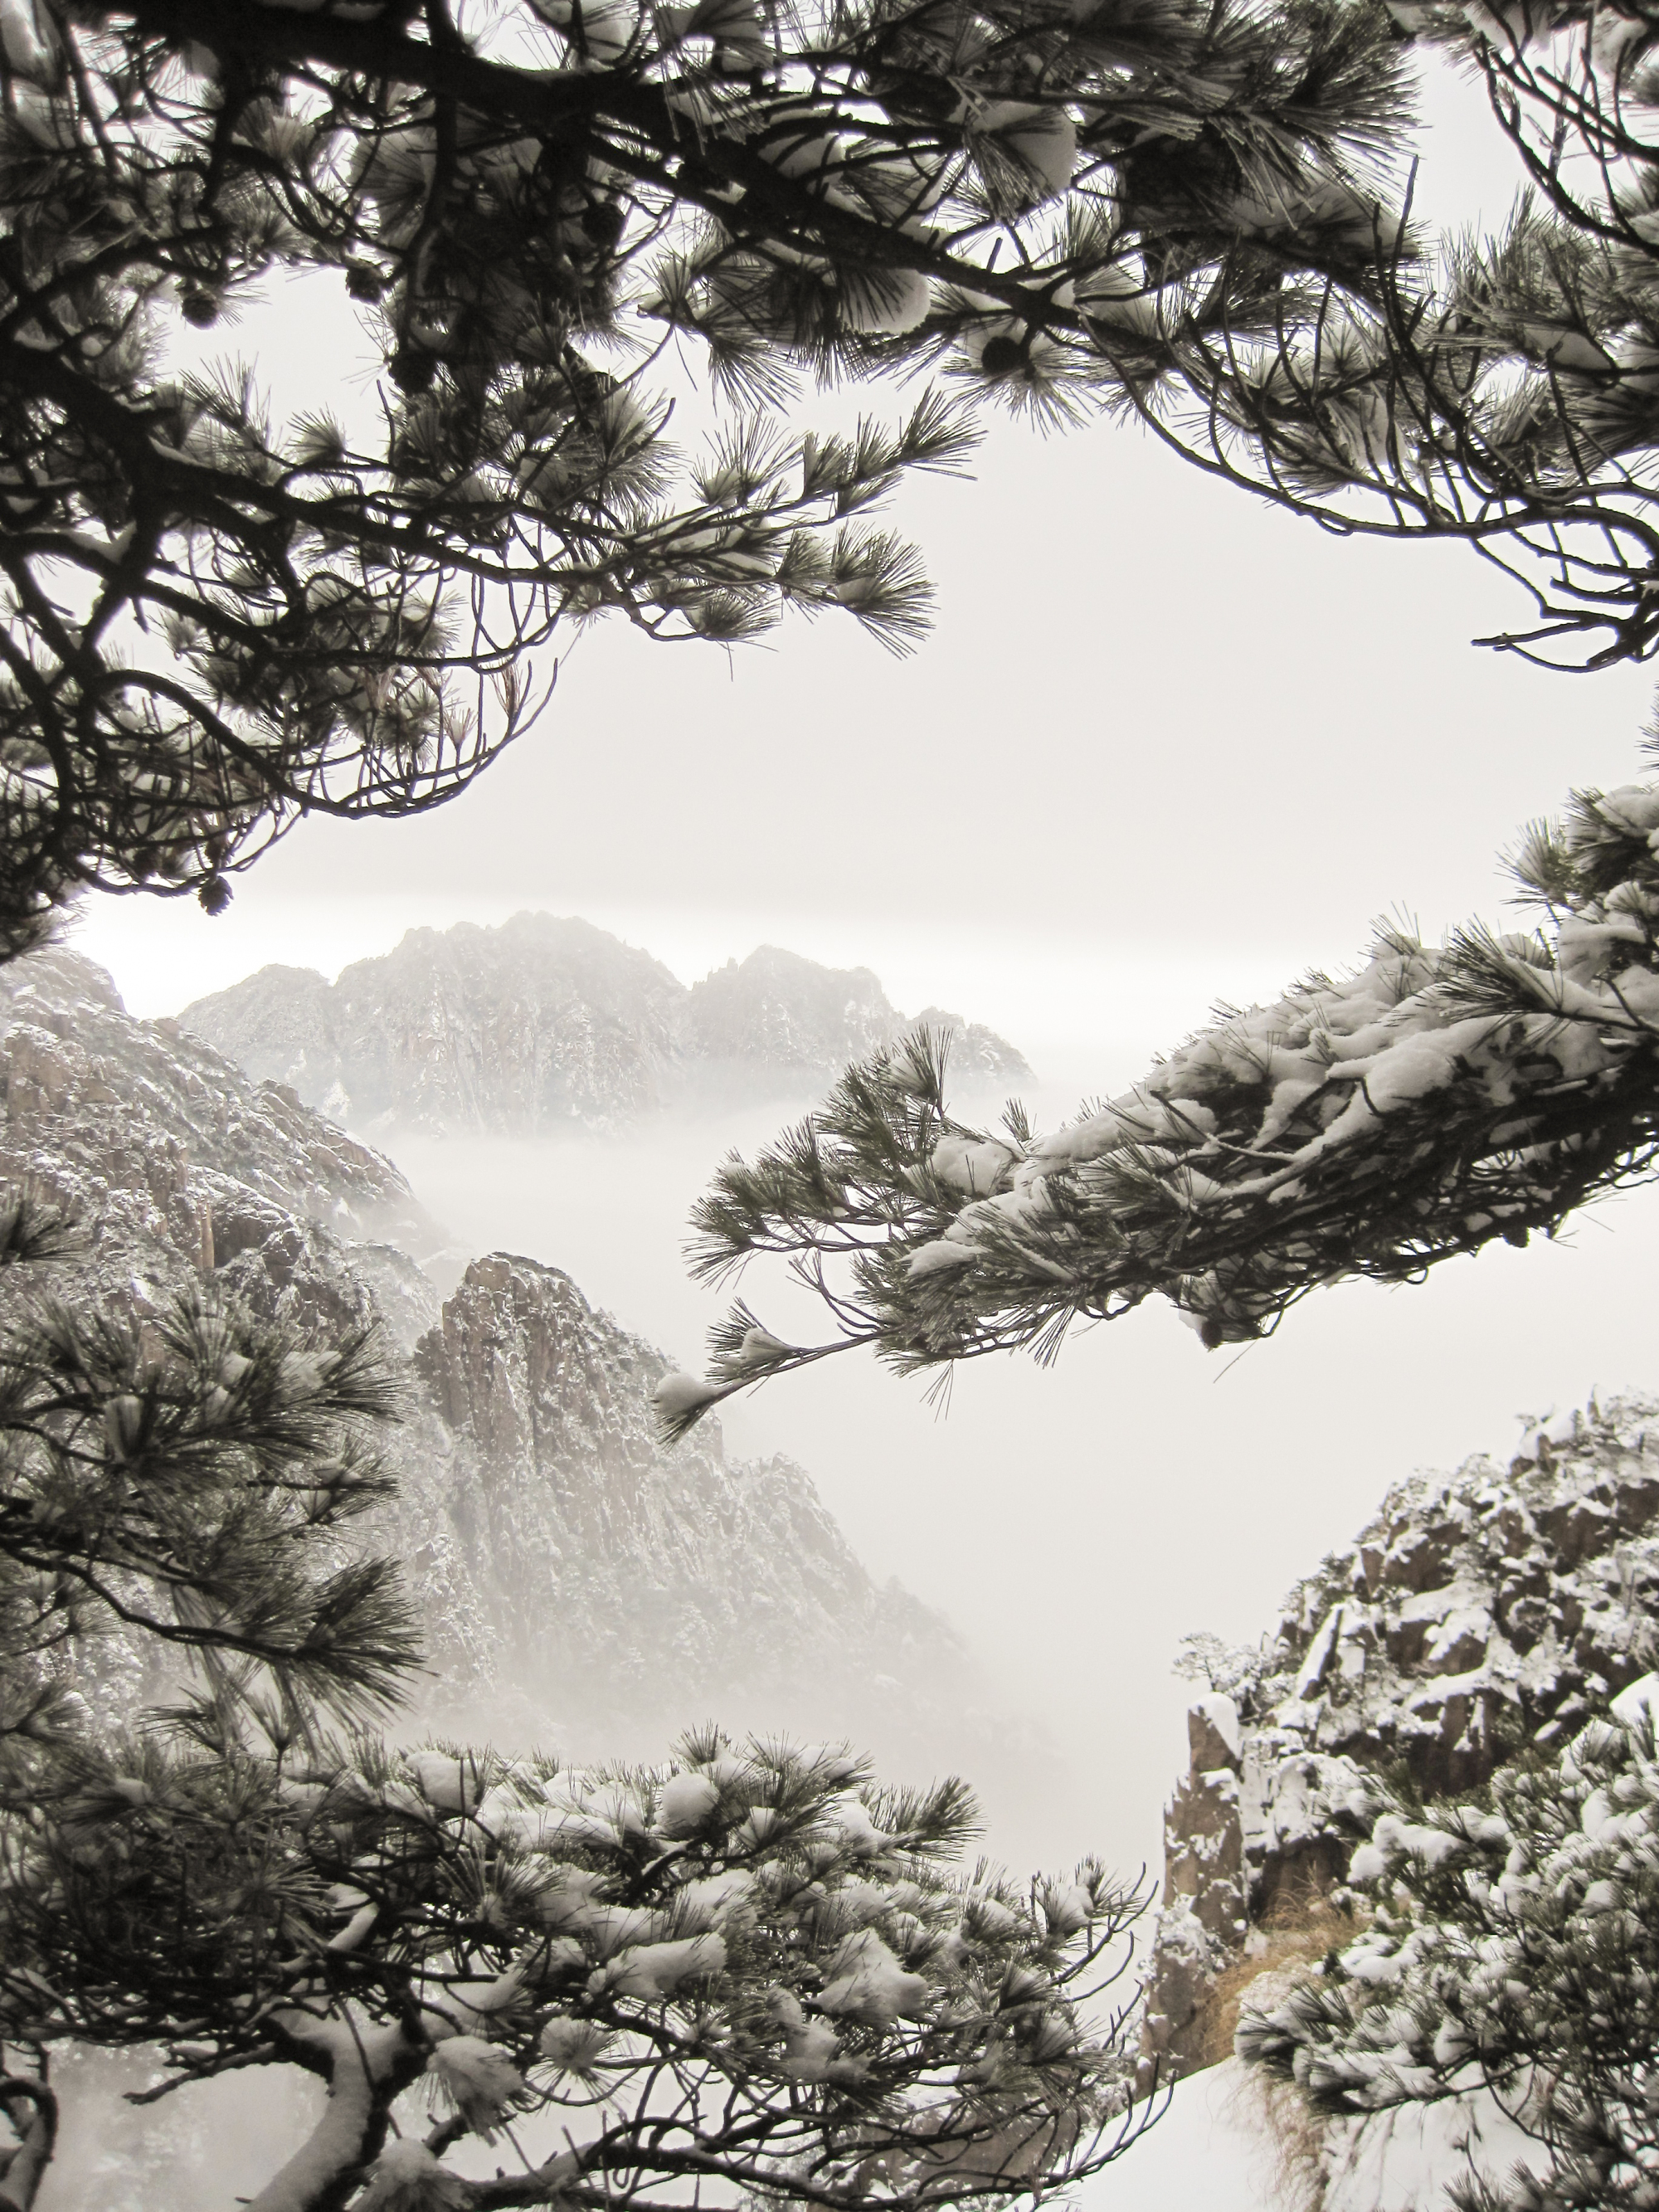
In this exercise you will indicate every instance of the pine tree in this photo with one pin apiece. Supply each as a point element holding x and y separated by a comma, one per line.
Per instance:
<point>1510,1945</point>
<point>750,1968</point>
<point>212,624</point>
<point>1503,389</point>
<point>186,1483</point>
<point>1434,1102</point>
<point>192,1480</point>
<point>747,1968</point>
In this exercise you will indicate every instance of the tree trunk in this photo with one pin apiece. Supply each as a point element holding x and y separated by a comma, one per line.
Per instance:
<point>26,2164</point>
<point>365,2069</point>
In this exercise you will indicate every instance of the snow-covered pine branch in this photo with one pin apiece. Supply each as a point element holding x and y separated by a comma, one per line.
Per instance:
<point>1504,388</point>
<point>748,1968</point>
<point>213,621</point>
<point>1511,1946</point>
<point>1374,1124</point>
<point>189,1477</point>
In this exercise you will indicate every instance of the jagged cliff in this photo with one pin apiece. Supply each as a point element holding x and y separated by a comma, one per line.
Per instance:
<point>166,1149</point>
<point>1475,1615</point>
<point>544,1021</point>
<point>574,1577</point>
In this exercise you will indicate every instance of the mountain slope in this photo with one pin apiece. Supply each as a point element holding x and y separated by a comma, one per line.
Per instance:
<point>576,1581</point>
<point>1474,1615</point>
<point>544,1021</point>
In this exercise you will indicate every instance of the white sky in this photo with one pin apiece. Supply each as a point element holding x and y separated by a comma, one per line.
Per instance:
<point>1165,746</point>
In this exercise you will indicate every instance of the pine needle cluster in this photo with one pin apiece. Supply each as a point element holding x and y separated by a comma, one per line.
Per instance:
<point>1432,1103</point>
<point>1513,1949</point>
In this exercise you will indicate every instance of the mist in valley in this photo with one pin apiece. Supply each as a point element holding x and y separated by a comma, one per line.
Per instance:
<point>1075,1520</point>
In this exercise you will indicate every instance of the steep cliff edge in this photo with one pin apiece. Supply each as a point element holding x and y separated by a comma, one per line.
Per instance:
<point>542,1022</point>
<point>575,1580</point>
<point>169,1154</point>
<point>1473,1614</point>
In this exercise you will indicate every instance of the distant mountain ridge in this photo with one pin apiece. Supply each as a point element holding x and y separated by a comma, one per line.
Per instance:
<point>520,1030</point>
<point>570,1571</point>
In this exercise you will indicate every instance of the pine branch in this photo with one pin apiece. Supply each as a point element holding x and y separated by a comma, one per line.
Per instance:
<point>292,619</point>
<point>746,1968</point>
<point>1430,1103</point>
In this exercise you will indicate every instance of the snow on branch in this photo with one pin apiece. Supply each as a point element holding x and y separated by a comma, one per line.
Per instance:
<point>1505,1944</point>
<point>214,622</point>
<point>1373,1124</point>
<point>749,1967</point>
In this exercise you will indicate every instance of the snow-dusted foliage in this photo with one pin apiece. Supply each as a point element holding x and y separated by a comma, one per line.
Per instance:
<point>1371,1124</point>
<point>191,1479</point>
<point>1194,213</point>
<point>750,1966</point>
<point>259,616</point>
<point>1512,1944</point>
<point>1508,395</point>
<point>1477,1619</point>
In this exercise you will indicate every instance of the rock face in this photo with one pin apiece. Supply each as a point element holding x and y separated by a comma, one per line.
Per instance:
<point>621,1579</point>
<point>1473,1615</point>
<point>525,1028</point>
<point>576,1581</point>
<point>168,1151</point>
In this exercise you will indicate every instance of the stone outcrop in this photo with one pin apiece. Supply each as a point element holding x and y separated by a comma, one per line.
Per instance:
<point>166,1151</point>
<point>545,1022</point>
<point>576,1581</point>
<point>1474,1615</point>
<point>1205,1906</point>
<point>621,1580</point>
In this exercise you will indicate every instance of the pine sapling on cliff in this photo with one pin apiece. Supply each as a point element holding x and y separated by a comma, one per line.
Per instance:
<point>1512,1948</point>
<point>189,1482</point>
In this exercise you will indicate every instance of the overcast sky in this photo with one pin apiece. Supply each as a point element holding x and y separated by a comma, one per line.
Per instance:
<point>1164,746</point>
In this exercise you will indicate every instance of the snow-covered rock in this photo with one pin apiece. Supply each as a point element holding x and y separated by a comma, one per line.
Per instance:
<point>1472,1614</point>
<point>542,1022</point>
<point>576,1581</point>
<point>169,1152</point>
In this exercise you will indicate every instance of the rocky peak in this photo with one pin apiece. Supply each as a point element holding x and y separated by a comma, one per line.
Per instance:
<point>623,1575</point>
<point>575,1577</point>
<point>1474,1613</point>
<point>776,1010</point>
<point>156,1141</point>
<point>526,1028</point>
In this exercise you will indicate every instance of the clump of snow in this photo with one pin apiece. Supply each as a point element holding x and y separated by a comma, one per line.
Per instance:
<point>1222,1713</point>
<point>1067,1907</point>
<point>680,1394</point>
<point>406,2178</point>
<point>685,1802</point>
<point>864,1981</point>
<point>452,1784</point>
<point>655,1971</point>
<point>479,2080</point>
<point>1633,1708</point>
